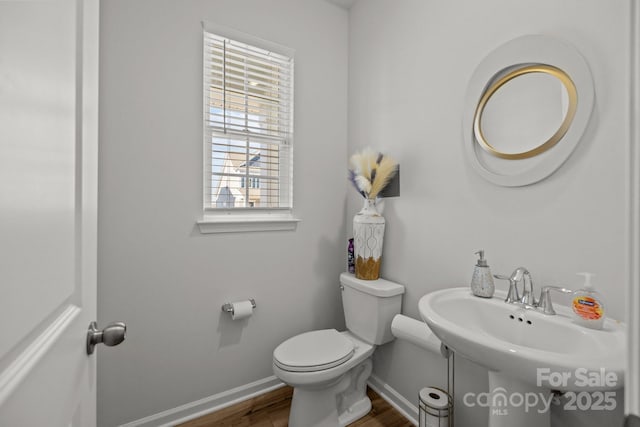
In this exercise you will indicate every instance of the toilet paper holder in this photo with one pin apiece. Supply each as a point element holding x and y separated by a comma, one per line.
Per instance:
<point>228,307</point>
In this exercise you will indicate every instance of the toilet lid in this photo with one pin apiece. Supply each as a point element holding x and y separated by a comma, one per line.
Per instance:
<point>313,351</point>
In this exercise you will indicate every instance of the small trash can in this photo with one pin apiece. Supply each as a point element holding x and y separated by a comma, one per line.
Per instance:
<point>436,408</point>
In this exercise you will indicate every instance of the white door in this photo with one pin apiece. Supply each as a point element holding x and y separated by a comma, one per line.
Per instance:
<point>48,199</point>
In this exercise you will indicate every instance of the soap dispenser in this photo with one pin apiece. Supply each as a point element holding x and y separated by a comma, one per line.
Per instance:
<point>482,280</point>
<point>587,304</point>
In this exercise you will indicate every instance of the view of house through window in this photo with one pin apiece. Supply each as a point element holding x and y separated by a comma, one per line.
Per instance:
<point>248,125</point>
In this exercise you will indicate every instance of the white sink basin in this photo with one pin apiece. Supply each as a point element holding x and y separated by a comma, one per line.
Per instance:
<point>544,351</point>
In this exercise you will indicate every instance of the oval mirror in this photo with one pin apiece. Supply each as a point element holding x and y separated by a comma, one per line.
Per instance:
<point>527,107</point>
<point>524,111</point>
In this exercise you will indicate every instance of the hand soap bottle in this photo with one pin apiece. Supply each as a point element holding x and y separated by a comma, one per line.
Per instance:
<point>482,280</point>
<point>587,304</point>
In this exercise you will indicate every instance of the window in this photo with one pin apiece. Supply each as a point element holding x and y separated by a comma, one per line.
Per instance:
<point>248,123</point>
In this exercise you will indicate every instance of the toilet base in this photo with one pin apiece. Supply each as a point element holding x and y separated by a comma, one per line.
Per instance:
<point>315,408</point>
<point>333,405</point>
<point>355,412</point>
<point>353,402</point>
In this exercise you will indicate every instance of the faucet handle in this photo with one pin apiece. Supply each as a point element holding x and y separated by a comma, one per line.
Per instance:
<point>512,295</point>
<point>519,273</point>
<point>545,304</point>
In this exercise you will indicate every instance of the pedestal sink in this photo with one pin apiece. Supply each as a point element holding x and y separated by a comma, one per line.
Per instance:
<point>528,354</point>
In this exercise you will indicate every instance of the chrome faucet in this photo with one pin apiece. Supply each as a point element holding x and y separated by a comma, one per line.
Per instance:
<point>528,298</point>
<point>512,294</point>
<point>545,304</point>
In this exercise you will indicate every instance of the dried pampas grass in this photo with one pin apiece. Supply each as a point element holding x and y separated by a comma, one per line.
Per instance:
<point>370,172</point>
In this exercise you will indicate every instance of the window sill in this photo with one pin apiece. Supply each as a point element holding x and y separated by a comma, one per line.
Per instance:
<point>241,224</point>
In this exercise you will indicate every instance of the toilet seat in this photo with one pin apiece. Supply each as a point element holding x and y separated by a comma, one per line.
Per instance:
<point>313,351</point>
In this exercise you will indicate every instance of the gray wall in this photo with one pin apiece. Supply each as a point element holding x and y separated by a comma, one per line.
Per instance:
<point>156,271</point>
<point>409,64</point>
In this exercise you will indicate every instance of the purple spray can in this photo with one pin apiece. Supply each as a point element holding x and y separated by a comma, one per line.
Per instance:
<point>350,257</point>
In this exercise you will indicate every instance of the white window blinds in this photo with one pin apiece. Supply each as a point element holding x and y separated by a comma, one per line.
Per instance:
<point>248,125</point>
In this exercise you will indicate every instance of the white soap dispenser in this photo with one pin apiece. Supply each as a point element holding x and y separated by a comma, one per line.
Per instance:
<point>482,280</point>
<point>587,304</point>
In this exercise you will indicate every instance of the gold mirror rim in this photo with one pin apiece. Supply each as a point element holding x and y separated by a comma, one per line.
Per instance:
<point>555,138</point>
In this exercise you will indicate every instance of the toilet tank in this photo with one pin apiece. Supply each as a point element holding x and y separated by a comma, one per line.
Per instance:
<point>369,307</point>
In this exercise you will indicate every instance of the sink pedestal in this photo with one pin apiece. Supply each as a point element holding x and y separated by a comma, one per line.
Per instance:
<point>515,403</point>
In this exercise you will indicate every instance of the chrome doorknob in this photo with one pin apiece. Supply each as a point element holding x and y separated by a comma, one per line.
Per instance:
<point>112,335</point>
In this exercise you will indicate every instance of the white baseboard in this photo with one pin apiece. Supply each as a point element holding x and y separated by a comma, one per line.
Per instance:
<point>227,398</point>
<point>395,399</point>
<point>208,405</point>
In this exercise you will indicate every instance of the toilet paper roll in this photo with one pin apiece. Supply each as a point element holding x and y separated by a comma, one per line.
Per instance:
<point>241,310</point>
<point>434,398</point>
<point>437,403</point>
<point>415,332</point>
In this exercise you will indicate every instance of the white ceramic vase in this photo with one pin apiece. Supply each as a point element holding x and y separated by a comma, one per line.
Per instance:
<point>368,233</point>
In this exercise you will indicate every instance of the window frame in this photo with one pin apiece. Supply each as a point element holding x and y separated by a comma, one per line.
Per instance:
<point>242,219</point>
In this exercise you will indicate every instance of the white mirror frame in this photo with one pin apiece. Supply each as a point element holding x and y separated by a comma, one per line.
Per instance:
<point>531,49</point>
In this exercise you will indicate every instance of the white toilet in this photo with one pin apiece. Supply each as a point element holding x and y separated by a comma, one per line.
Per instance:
<point>329,369</point>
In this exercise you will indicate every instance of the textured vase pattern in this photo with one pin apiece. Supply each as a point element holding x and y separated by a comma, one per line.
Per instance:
<point>482,282</point>
<point>368,233</point>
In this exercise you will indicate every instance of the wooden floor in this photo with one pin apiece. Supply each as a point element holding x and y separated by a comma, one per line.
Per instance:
<point>272,410</point>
